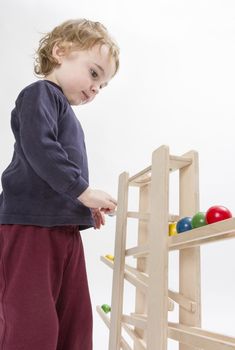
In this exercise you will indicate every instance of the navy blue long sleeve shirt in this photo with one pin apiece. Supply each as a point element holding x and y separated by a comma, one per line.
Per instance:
<point>49,168</point>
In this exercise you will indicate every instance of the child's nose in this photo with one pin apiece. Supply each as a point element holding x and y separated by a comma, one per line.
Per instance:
<point>95,89</point>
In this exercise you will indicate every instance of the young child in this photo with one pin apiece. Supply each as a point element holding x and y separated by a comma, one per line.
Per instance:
<point>46,198</point>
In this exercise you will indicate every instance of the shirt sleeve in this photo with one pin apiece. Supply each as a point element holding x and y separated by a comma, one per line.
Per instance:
<point>38,123</point>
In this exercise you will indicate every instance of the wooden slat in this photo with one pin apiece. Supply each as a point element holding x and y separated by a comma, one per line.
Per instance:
<point>141,275</point>
<point>141,178</point>
<point>134,321</point>
<point>108,262</point>
<point>132,275</point>
<point>199,338</point>
<point>179,162</point>
<point>135,281</point>
<point>144,177</point>
<point>103,315</point>
<point>184,302</point>
<point>146,216</point>
<point>138,341</point>
<point>138,215</point>
<point>203,235</point>
<point>138,251</point>
<point>141,316</point>
<point>210,334</point>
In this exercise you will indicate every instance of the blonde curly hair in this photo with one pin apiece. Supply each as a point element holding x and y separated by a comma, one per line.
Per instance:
<point>78,34</point>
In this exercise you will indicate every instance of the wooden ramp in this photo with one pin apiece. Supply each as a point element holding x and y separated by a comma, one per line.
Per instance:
<point>147,326</point>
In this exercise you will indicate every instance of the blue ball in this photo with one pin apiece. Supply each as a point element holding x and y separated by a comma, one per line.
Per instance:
<point>184,224</point>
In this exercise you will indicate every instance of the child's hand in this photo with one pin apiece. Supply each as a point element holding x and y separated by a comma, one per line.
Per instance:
<point>99,218</point>
<point>98,199</point>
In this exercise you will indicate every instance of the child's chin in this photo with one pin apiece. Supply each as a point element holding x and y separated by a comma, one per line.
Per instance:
<point>84,102</point>
<point>77,103</point>
<point>80,102</point>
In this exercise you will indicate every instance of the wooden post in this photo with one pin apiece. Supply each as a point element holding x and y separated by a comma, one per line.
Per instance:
<point>141,265</point>
<point>157,323</point>
<point>189,262</point>
<point>119,264</point>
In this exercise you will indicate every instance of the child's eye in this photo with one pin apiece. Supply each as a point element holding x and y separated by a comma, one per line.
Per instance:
<point>93,73</point>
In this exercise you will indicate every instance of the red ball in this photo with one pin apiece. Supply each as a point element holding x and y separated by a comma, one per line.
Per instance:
<point>217,213</point>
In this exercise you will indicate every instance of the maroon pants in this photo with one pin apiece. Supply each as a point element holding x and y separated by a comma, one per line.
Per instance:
<point>44,296</point>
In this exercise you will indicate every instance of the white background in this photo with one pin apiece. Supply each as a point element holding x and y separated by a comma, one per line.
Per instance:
<point>176,86</point>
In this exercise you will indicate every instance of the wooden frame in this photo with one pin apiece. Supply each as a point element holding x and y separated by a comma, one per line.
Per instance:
<point>148,325</point>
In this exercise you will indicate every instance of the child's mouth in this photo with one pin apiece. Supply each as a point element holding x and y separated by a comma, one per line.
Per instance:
<point>85,97</point>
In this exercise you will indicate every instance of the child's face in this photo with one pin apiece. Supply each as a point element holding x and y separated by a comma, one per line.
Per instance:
<point>81,74</point>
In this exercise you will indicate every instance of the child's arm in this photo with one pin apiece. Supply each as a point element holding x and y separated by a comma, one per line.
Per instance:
<point>37,120</point>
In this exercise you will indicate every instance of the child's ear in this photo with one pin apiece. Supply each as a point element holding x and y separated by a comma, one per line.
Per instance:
<point>58,53</point>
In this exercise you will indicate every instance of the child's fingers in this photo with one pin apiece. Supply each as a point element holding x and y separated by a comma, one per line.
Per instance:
<point>108,211</point>
<point>102,218</point>
<point>99,218</point>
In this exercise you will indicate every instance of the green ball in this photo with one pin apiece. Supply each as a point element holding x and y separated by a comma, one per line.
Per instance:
<point>199,219</point>
<point>106,308</point>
